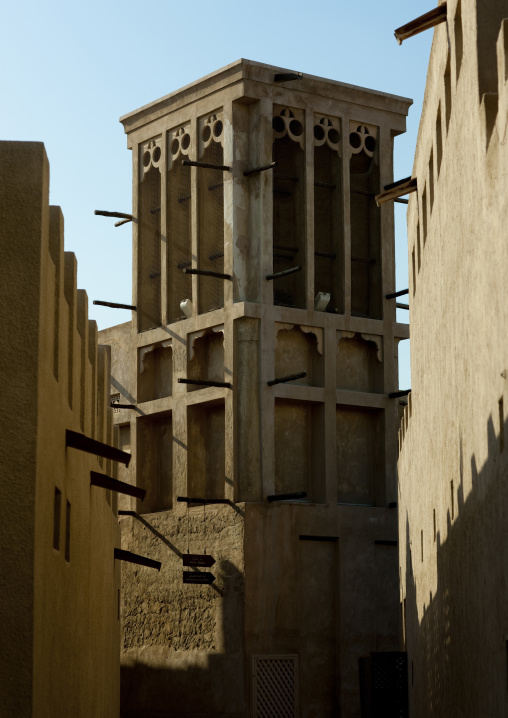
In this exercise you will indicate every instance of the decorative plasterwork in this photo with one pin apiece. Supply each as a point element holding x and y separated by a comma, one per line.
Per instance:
<point>378,341</point>
<point>362,138</point>
<point>211,129</point>
<point>374,338</point>
<point>192,337</point>
<point>179,144</point>
<point>317,331</point>
<point>326,132</point>
<point>289,122</point>
<point>149,348</point>
<point>150,155</point>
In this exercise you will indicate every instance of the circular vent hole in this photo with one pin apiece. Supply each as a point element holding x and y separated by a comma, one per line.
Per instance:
<point>333,135</point>
<point>206,133</point>
<point>319,132</point>
<point>355,140</point>
<point>186,141</point>
<point>295,127</point>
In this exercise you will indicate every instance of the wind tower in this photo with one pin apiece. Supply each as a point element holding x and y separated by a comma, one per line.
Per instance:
<point>258,364</point>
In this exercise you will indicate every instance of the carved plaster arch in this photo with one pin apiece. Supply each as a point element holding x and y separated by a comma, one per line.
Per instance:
<point>326,131</point>
<point>168,344</point>
<point>211,129</point>
<point>374,338</point>
<point>286,122</point>
<point>362,138</point>
<point>179,144</point>
<point>192,337</point>
<point>150,155</point>
<point>317,331</point>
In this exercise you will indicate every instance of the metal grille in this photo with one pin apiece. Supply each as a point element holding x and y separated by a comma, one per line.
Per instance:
<point>211,224</point>
<point>149,277</point>
<point>275,686</point>
<point>383,685</point>
<point>179,239</point>
<point>288,222</point>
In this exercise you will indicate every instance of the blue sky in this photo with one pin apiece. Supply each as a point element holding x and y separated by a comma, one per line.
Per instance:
<point>71,70</point>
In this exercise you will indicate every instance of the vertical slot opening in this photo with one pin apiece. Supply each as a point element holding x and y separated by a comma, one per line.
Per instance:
<point>418,246</point>
<point>206,469</point>
<point>414,270</point>
<point>434,520</point>
<point>439,140</point>
<point>453,500</point>
<point>431,180</point>
<point>360,455</point>
<point>68,532</point>
<point>155,462</point>
<point>155,376</point>
<point>328,240</point>
<point>448,92</point>
<point>299,455</point>
<point>421,539</point>
<point>365,219</point>
<point>57,507</point>
<point>424,215</point>
<point>501,424</point>
<point>149,247</point>
<point>289,209</point>
<point>211,217</point>
<point>457,32</point>
<point>179,253</point>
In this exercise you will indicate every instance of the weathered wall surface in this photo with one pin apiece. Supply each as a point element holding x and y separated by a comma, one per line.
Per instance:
<point>59,583</point>
<point>183,645</point>
<point>330,433</point>
<point>452,464</point>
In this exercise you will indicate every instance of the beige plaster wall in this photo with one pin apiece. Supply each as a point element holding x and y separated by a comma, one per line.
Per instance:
<point>452,463</point>
<point>59,581</point>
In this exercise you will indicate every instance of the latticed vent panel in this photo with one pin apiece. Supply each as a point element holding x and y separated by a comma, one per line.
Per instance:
<point>275,686</point>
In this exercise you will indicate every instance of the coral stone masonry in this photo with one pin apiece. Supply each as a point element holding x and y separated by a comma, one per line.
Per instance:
<point>259,360</point>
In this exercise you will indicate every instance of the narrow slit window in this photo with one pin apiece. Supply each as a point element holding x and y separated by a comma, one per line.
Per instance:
<point>453,500</point>
<point>57,507</point>
<point>68,532</point>
<point>418,246</point>
<point>439,140</point>
<point>457,31</point>
<point>421,541</point>
<point>431,180</point>
<point>434,519</point>
<point>424,215</point>
<point>501,424</point>
<point>414,271</point>
<point>448,92</point>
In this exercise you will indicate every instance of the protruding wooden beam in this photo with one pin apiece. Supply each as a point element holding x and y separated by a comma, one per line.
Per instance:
<point>207,273</point>
<point>203,382</point>
<point>263,168</point>
<point>290,377</point>
<point>205,165</point>
<point>119,215</point>
<point>284,273</point>
<point>396,394</point>
<point>397,189</point>
<point>287,497</point>
<point>75,440</point>
<point>400,293</point>
<point>424,22</point>
<point>121,555</point>
<point>104,481</point>
<point>287,76</point>
<point>114,305</point>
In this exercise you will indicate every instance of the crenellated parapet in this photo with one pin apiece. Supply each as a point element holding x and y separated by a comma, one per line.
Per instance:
<point>59,578</point>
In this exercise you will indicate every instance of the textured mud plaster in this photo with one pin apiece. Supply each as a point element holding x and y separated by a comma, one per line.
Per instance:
<point>158,609</point>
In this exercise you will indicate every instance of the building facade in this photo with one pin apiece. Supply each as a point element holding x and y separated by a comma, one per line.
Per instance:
<point>453,461</point>
<point>258,363</point>
<point>59,581</point>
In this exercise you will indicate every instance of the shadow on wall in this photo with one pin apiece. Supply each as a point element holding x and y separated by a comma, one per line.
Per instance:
<point>195,683</point>
<point>458,652</point>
